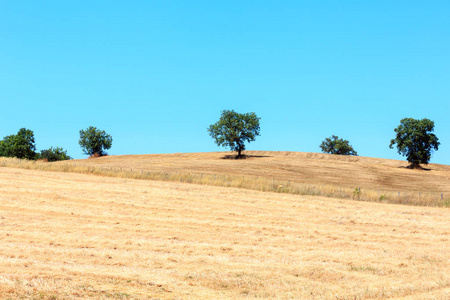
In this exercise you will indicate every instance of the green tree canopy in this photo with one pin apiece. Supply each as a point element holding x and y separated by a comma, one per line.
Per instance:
<point>415,140</point>
<point>94,141</point>
<point>20,145</point>
<point>234,129</point>
<point>54,154</point>
<point>335,145</point>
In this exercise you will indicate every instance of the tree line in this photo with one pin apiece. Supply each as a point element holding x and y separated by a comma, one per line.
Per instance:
<point>414,139</point>
<point>22,145</point>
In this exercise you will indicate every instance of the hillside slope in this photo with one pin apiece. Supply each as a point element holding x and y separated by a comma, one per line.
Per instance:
<point>314,168</point>
<point>78,236</point>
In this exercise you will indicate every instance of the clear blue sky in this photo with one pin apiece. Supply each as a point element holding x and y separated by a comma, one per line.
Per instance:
<point>156,74</point>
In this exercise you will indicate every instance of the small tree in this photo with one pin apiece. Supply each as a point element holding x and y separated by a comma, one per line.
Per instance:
<point>415,140</point>
<point>54,154</point>
<point>94,141</point>
<point>234,129</point>
<point>335,145</point>
<point>20,145</point>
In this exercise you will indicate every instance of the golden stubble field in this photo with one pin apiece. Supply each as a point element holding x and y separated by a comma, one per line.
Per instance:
<point>312,168</point>
<point>77,236</point>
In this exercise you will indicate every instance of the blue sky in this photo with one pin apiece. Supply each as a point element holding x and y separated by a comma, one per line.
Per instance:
<point>156,74</point>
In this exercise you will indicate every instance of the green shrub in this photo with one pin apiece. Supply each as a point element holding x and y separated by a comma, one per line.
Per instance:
<point>54,154</point>
<point>335,145</point>
<point>357,193</point>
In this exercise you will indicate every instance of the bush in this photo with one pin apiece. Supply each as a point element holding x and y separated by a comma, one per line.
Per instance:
<point>54,154</point>
<point>335,145</point>
<point>357,193</point>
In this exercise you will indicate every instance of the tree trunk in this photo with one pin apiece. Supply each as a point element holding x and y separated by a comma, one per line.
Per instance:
<point>415,165</point>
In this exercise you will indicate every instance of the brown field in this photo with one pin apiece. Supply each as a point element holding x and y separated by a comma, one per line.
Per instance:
<point>75,236</point>
<point>380,180</point>
<point>313,168</point>
<point>343,177</point>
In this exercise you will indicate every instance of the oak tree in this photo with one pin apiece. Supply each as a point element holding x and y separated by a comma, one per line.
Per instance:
<point>94,141</point>
<point>233,130</point>
<point>415,140</point>
<point>20,145</point>
<point>335,145</point>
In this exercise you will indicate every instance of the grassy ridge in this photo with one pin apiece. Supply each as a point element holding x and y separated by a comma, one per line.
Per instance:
<point>246,182</point>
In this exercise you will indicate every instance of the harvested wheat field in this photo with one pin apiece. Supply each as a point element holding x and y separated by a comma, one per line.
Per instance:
<point>77,236</point>
<point>341,170</point>
<point>336,176</point>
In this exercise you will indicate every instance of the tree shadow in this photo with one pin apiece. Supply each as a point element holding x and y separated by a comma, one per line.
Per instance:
<point>420,168</point>
<point>244,156</point>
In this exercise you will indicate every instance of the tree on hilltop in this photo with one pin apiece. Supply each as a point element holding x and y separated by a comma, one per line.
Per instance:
<point>94,141</point>
<point>415,140</point>
<point>234,129</point>
<point>20,145</point>
<point>53,154</point>
<point>335,145</point>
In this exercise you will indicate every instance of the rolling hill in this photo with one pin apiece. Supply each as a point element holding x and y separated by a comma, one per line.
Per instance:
<point>76,236</point>
<point>349,171</point>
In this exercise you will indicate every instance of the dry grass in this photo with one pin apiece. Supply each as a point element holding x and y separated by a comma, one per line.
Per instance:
<point>75,236</point>
<point>310,168</point>
<point>361,178</point>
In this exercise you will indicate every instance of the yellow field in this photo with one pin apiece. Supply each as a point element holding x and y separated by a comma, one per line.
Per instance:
<point>312,168</point>
<point>77,236</point>
<point>344,177</point>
